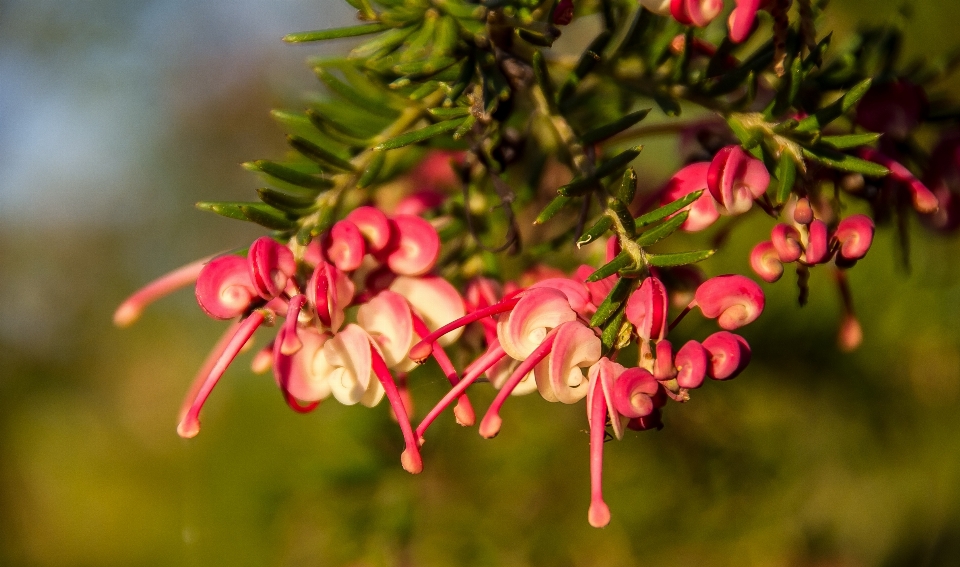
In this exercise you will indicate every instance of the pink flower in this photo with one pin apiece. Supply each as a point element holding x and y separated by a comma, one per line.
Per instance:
<point>765,261</point>
<point>646,309</point>
<point>854,235</point>
<point>695,12</point>
<point>743,17</point>
<point>735,179</point>
<point>729,355</point>
<point>924,201</point>
<point>733,300</point>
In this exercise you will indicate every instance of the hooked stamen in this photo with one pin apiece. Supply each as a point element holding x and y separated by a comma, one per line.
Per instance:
<point>190,423</point>
<point>422,350</point>
<point>410,459</point>
<point>599,513</point>
<point>490,425</point>
<point>463,411</point>
<point>493,355</point>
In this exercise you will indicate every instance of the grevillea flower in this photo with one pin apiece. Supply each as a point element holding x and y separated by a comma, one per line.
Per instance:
<point>698,13</point>
<point>733,300</point>
<point>924,201</point>
<point>735,179</point>
<point>743,17</point>
<point>130,310</point>
<point>765,261</point>
<point>854,235</point>
<point>703,211</point>
<point>817,247</point>
<point>786,240</point>
<point>729,355</point>
<point>413,248</point>
<point>646,309</point>
<point>224,288</point>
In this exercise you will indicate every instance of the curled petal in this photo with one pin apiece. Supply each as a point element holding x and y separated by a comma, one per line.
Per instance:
<point>817,242</point>
<point>633,393</point>
<point>577,293</point>
<point>434,300</point>
<point>703,211</point>
<point>387,319</point>
<point>735,179</point>
<point>729,355</point>
<point>351,379</point>
<point>271,265</point>
<point>373,225</point>
<point>786,239</point>
<point>224,289</point>
<point>742,19</point>
<point>702,12</point>
<point>691,362</point>
<point>559,378</point>
<point>344,246</point>
<point>537,312</point>
<point>733,300</point>
<point>129,311</point>
<point>854,235</point>
<point>414,246</point>
<point>765,261</point>
<point>647,309</point>
<point>330,291</point>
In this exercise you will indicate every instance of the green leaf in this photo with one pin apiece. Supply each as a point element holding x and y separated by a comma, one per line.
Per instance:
<point>320,155</point>
<point>288,175</point>
<point>661,231</point>
<point>286,201</point>
<point>383,44</point>
<point>598,229</point>
<point>831,112</point>
<point>668,209</point>
<point>227,209</point>
<point>334,33</point>
<point>849,141</point>
<point>845,162</point>
<point>622,261</point>
<point>786,176</point>
<point>420,135</point>
<point>554,207</point>
<point>464,127</point>
<point>613,302</point>
<point>259,213</point>
<point>362,95</point>
<point>667,104</point>
<point>373,170</point>
<point>448,113</point>
<point>611,333</point>
<point>618,162</point>
<point>679,259</point>
<point>612,129</point>
<point>542,75</point>
<point>628,187</point>
<point>536,38</point>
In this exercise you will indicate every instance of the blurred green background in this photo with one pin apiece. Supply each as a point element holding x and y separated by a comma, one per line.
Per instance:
<point>116,116</point>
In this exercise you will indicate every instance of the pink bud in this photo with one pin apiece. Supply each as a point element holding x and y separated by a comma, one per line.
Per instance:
<point>734,299</point>
<point>663,367</point>
<point>817,247</point>
<point>563,13</point>
<point>729,355</point>
<point>691,365</point>
<point>765,261</point>
<point>695,12</point>
<point>742,19</point>
<point>647,309</point>
<point>271,265</point>
<point>786,239</point>
<point>703,211</point>
<point>735,179</point>
<point>855,235</point>
<point>851,333</point>
<point>344,246</point>
<point>414,246</point>
<point>224,289</point>
<point>633,393</point>
<point>373,225</point>
<point>924,201</point>
<point>330,291</point>
<point>803,212</point>
<point>576,292</point>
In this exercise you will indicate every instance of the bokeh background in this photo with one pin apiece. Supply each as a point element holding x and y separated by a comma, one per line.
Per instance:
<point>116,116</point>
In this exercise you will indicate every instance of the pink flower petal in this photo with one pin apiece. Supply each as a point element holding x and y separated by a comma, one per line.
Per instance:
<point>387,319</point>
<point>559,378</point>
<point>344,246</point>
<point>729,355</point>
<point>647,309</point>
<point>817,242</point>
<point>414,246</point>
<point>373,225</point>
<point>434,300</point>
<point>352,380</point>
<point>742,19</point>
<point>224,289</point>
<point>734,299</point>
<point>786,239</point>
<point>537,312</point>
<point>854,235</point>
<point>765,261</point>
<point>691,362</point>
<point>578,296</point>
<point>703,211</point>
<point>271,265</point>
<point>633,393</point>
